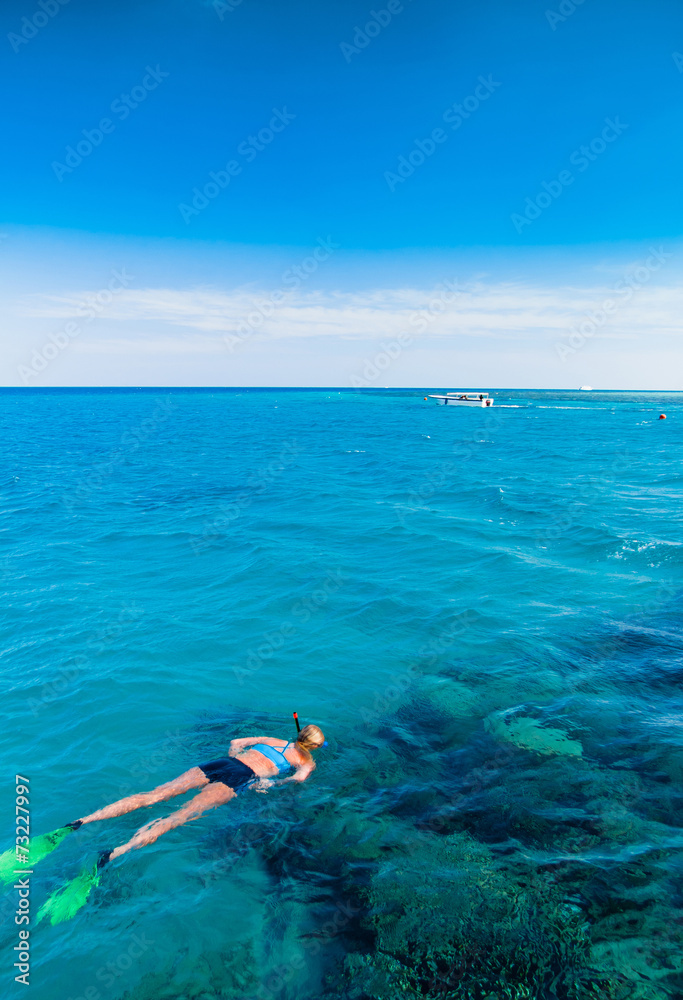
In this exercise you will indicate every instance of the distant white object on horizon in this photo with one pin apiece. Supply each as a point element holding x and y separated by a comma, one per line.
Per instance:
<point>585,388</point>
<point>463,399</point>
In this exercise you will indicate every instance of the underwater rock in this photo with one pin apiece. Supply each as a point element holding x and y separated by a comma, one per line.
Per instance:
<point>529,734</point>
<point>455,699</point>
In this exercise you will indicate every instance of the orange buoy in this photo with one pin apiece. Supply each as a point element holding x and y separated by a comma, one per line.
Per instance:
<point>662,416</point>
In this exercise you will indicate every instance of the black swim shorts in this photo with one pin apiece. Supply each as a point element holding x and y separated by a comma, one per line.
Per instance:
<point>230,771</point>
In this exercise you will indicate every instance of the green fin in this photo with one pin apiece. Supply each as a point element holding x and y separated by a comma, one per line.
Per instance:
<point>39,848</point>
<point>8,866</point>
<point>65,903</point>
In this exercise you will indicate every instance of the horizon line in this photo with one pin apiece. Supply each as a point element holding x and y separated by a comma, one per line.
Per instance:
<point>305,388</point>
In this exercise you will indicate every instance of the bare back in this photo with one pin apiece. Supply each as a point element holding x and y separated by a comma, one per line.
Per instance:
<point>244,750</point>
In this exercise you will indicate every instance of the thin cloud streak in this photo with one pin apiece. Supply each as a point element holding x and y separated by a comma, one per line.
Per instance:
<point>480,309</point>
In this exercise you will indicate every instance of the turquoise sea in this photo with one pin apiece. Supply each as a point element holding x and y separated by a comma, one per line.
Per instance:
<point>482,610</point>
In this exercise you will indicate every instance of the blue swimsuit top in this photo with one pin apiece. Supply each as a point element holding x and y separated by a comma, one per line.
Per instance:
<point>274,755</point>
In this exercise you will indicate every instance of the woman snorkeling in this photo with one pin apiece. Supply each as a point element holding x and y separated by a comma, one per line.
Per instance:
<point>257,762</point>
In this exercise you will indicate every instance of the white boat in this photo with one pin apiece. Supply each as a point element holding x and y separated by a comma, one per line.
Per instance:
<point>463,399</point>
<point>585,388</point>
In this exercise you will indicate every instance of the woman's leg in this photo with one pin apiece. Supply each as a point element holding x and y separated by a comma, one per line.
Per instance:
<point>215,795</point>
<point>194,778</point>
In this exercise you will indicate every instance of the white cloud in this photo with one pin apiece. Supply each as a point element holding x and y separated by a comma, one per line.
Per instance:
<point>195,319</point>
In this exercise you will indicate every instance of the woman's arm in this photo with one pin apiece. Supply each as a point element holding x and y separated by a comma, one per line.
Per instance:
<point>300,774</point>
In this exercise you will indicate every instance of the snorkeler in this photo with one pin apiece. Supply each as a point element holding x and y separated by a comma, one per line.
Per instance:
<point>254,762</point>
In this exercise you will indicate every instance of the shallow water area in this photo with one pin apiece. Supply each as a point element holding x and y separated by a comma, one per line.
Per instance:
<point>480,607</point>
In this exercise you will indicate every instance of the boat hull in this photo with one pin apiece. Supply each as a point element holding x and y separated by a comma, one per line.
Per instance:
<point>451,401</point>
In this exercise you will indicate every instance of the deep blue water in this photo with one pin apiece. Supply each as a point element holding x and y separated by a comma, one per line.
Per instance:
<point>482,610</point>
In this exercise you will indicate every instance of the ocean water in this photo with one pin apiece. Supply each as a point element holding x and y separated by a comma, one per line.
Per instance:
<point>482,610</point>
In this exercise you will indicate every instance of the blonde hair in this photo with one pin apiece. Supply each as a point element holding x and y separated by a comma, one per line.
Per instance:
<point>310,738</point>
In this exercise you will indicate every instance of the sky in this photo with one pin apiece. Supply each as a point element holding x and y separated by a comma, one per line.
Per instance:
<point>419,192</point>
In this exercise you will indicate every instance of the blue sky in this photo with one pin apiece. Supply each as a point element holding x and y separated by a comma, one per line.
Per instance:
<point>535,146</point>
